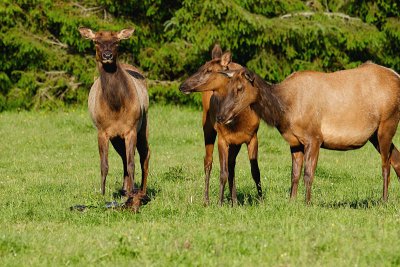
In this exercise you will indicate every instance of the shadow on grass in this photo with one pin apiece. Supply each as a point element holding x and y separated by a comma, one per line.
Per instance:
<point>248,199</point>
<point>354,204</point>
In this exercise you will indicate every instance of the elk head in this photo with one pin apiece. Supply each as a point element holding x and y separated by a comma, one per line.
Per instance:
<point>241,94</point>
<point>106,43</point>
<point>207,77</point>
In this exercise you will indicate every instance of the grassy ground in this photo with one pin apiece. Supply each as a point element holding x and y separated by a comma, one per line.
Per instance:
<point>49,162</point>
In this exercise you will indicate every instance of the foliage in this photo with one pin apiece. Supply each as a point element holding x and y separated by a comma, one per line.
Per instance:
<point>168,92</point>
<point>173,38</point>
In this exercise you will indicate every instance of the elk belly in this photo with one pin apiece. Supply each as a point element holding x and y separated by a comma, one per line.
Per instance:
<point>345,137</point>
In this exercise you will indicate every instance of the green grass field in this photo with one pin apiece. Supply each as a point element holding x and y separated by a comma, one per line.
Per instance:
<point>49,162</point>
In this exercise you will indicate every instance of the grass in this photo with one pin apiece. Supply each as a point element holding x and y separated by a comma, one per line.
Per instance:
<point>49,162</point>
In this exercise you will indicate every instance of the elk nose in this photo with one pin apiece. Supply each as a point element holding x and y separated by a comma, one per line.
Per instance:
<point>107,55</point>
<point>182,88</point>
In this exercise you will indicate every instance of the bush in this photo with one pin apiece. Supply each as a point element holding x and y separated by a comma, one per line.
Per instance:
<point>168,93</point>
<point>46,64</point>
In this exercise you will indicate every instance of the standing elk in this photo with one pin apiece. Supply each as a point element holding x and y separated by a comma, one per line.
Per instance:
<point>243,129</point>
<point>339,111</point>
<point>118,104</point>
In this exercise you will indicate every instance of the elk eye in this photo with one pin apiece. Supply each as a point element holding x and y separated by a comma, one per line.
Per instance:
<point>209,70</point>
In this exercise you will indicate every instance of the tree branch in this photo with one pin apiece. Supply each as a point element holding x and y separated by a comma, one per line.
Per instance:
<point>309,14</point>
<point>88,9</point>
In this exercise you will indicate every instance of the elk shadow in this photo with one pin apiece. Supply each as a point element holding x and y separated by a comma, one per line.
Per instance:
<point>367,203</point>
<point>246,199</point>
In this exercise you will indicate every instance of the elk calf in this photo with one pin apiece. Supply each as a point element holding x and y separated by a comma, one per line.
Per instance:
<point>231,136</point>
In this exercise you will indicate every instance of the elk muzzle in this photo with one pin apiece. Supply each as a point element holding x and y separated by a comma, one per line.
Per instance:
<point>184,89</point>
<point>107,56</point>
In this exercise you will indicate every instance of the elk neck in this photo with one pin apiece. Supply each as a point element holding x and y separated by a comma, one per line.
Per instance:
<point>269,106</point>
<point>114,85</point>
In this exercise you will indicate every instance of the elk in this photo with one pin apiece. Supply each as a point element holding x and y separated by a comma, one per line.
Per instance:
<point>339,111</point>
<point>118,104</point>
<point>242,129</point>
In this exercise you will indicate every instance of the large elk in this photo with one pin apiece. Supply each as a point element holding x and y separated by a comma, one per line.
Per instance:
<point>118,104</point>
<point>243,129</point>
<point>340,111</point>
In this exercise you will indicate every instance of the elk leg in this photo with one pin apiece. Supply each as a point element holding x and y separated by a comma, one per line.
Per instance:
<point>144,153</point>
<point>232,154</point>
<point>223,161</point>
<point>311,152</point>
<point>209,140</point>
<point>395,154</point>
<point>395,160</point>
<point>297,165</point>
<point>103,151</point>
<point>130,144</point>
<point>386,131</point>
<point>119,146</point>
<point>252,149</point>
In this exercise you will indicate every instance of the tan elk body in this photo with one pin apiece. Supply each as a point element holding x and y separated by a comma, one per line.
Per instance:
<point>118,105</point>
<point>340,111</point>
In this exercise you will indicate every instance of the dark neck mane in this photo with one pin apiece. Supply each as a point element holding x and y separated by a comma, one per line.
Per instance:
<point>268,106</point>
<point>114,84</point>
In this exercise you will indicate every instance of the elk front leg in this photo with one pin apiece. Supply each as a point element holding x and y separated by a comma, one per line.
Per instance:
<point>130,144</point>
<point>119,145</point>
<point>223,162</point>
<point>233,152</point>
<point>209,140</point>
<point>103,151</point>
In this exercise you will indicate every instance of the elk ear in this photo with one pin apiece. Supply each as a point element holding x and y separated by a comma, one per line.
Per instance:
<point>249,76</point>
<point>227,73</point>
<point>216,52</point>
<point>125,33</point>
<point>86,33</point>
<point>226,59</point>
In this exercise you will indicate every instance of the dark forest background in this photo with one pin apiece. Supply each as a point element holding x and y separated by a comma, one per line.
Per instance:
<point>44,63</point>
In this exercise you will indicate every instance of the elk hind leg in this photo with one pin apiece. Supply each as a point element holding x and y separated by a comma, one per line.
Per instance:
<point>252,149</point>
<point>395,155</point>
<point>144,154</point>
<point>311,152</point>
<point>297,165</point>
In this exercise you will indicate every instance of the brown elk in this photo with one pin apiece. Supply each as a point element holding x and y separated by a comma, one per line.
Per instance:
<point>339,111</point>
<point>243,129</point>
<point>118,104</point>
